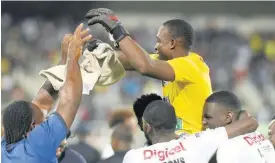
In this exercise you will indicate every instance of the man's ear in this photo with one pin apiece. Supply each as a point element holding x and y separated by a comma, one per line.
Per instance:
<point>148,128</point>
<point>229,117</point>
<point>172,44</point>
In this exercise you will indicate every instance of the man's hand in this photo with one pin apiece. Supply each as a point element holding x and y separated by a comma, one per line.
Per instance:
<point>65,44</point>
<point>109,20</point>
<point>71,92</point>
<point>64,47</point>
<point>243,114</point>
<point>77,42</point>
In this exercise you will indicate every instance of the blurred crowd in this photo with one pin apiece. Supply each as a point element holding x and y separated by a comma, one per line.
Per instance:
<point>244,64</point>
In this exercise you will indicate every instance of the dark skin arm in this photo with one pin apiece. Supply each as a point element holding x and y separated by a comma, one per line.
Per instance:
<point>46,96</point>
<point>141,62</point>
<point>244,125</point>
<point>71,92</point>
<point>44,100</point>
<point>124,61</point>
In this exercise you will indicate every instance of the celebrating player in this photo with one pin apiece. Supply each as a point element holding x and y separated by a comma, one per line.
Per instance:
<point>185,76</point>
<point>159,123</point>
<point>224,108</point>
<point>25,143</point>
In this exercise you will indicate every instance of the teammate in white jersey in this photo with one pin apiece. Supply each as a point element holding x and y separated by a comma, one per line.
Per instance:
<point>159,123</point>
<point>140,105</point>
<point>224,108</point>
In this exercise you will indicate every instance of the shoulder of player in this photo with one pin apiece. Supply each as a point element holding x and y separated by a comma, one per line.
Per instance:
<point>254,135</point>
<point>210,131</point>
<point>248,139</point>
<point>192,61</point>
<point>77,156</point>
<point>133,155</point>
<point>191,57</point>
<point>132,152</point>
<point>159,145</point>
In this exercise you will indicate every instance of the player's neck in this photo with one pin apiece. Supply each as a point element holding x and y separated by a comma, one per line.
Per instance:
<point>180,53</point>
<point>165,137</point>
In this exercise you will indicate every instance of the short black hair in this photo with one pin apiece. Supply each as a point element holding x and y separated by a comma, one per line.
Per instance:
<point>161,116</point>
<point>179,28</point>
<point>141,103</point>
<point>226,98</point>
<point>17,119</point>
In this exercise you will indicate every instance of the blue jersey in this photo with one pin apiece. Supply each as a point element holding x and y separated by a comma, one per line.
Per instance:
<point>40,145</point>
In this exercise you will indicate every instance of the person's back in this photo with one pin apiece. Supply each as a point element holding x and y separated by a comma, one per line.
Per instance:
<point>116,158</point>
<point>71,156</point>
<point>159,122</point>
<point>121,141</point>
<point>195,149</point>
<point>251,147</point>
<point>90,154</point>
<point>13,152</point>
<point>36,147</point>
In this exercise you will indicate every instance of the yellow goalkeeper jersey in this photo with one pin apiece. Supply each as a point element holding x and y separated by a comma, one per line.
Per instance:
<point>188,92</point>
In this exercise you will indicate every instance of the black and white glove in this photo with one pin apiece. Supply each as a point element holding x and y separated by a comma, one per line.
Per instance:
<point>109,20</point>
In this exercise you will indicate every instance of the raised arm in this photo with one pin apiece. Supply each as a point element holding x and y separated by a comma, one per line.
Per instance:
<point>244,125</point>
<point>47,95</point>
<point>71,92</point>
<point>137,57</point>
<point>124,61</point>
<point>140,60</point>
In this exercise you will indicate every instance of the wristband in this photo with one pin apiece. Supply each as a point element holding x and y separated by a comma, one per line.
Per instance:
<point>119,32</point>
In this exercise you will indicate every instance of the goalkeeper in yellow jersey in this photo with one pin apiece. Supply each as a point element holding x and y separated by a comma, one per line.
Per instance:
<point>185,76</point>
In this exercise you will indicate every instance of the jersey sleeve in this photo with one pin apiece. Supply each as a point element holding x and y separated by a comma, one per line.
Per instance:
<point>130,157</point>
<point>223,155</point>
<point>45,138</point>
<point>184,69</point>
<point>209,141</point>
